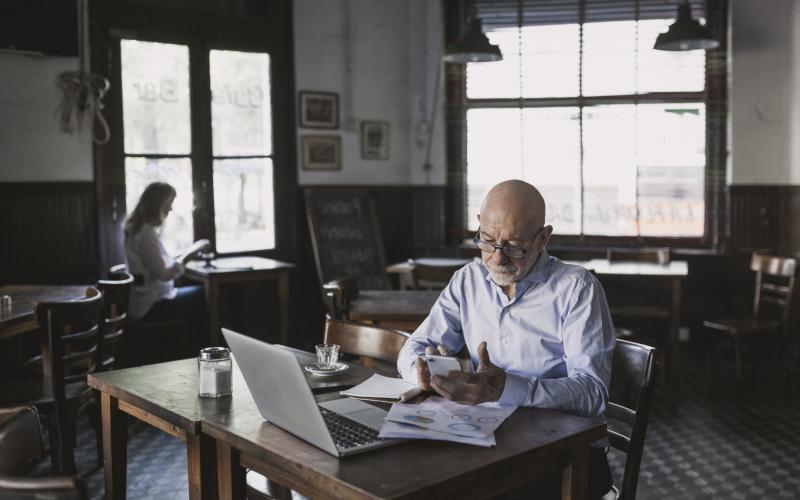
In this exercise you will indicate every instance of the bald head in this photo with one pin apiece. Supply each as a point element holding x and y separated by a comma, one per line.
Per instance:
<point>516,203</point>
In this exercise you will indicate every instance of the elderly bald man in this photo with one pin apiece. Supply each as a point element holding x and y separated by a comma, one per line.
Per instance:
<point>538,330</point>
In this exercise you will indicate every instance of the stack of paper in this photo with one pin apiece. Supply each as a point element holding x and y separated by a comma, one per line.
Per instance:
<point>384,389</point>
<point>442,419</point>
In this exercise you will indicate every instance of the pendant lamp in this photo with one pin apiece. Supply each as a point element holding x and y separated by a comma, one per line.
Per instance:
<point>472,47</point>
<point>686,33</point>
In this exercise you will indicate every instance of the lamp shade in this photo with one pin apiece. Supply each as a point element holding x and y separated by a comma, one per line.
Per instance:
<point>473,47</point>
<point>686,33</point>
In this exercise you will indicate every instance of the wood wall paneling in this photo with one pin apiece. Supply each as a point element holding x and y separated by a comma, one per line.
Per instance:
<point>48,233</point>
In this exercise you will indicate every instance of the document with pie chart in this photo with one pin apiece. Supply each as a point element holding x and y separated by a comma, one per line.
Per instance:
<point>442,415</point>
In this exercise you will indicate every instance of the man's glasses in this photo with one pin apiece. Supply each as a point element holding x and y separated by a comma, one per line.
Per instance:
<point>509,251</point>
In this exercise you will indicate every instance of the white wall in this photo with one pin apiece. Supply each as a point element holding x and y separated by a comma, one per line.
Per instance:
<point>381,57</point>
<point>765,92</point>
<point>32,148</point>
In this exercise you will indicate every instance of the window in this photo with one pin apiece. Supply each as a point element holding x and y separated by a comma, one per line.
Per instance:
<point>612,131</point>
<point>157,130</point>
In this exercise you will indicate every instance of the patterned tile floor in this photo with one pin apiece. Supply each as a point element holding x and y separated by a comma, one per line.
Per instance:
<point>721,445</point>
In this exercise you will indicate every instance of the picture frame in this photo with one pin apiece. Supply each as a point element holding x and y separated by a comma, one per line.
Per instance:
<point>321,152</point>
<point>318,109</point>
<point>375,140</point>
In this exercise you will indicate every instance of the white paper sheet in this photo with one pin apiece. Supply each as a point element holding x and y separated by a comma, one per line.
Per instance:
<point>408,431</point>
<point>443,415</point>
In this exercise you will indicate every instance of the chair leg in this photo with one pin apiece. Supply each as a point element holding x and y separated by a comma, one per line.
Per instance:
<point>737,353</point>
<point>710,345</point>
<point>55,447</point>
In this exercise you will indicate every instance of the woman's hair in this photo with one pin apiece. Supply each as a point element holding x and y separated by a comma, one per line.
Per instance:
<point>148,210</point>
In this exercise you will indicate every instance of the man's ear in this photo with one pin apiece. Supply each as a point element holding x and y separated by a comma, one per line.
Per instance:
<point>547,231</point>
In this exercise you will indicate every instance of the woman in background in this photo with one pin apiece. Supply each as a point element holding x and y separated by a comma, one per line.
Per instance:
<point>155,297</point>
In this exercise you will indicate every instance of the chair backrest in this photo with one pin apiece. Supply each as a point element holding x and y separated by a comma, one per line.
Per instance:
<point>338,294</point>
<point>121,271</point>
<point>368,342</point>
<point>116,293</point>
<point>775,277</point>
<point>74,334</point>
<point>660,255</point>
<point>426,276</point>
<point>629,399</point>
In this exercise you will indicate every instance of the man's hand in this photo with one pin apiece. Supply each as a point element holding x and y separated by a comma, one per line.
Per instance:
<point>423,373</point>
<point>486,384</point>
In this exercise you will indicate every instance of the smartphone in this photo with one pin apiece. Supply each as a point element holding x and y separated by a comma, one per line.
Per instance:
<point>442,365</point>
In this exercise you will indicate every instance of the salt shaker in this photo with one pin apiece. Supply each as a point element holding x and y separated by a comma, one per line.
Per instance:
<point>214,372</point>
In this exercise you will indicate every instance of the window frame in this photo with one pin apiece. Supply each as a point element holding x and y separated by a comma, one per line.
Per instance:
<point>714,97</point>
<point>201,32</point>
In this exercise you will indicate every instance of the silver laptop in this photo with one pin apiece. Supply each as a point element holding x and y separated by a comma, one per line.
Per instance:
<point>279,388</point>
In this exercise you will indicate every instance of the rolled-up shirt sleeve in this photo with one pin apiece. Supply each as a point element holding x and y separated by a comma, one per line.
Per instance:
<point>588,339</point>
<point>441,327</point>
<point>152,257</point>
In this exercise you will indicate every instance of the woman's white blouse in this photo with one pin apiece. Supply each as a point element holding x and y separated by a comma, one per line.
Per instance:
<point>148,258</point>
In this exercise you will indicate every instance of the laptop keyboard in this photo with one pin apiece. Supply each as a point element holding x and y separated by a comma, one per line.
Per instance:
<point>348,433</point>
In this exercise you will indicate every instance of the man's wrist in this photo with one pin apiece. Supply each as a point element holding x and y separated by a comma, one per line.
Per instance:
<point>516,390</point>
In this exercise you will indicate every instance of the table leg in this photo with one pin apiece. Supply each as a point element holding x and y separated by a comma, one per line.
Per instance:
<point>115,444</point>
<point>575,477</point>
<point>201,461</point>
<point>674,332</point>
<point>212,305</point>
<point>230,473</point>
<point>283,298</point>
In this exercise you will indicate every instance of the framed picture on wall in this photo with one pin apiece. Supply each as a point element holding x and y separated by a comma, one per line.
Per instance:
<point>319,109</point>
<point>321,152</point>
<point>375,140</point>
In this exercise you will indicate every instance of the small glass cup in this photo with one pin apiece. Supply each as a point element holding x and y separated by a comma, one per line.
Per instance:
<point>327,356</point>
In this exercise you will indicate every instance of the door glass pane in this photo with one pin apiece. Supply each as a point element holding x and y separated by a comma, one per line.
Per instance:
<point>671,169</point>
<point>244,204</point>
<point>177,231</point>
<point>551,153</point>
<point>609,170</point>
<point>155,97</point>
<point>494,137</point>
<point>240,103</point>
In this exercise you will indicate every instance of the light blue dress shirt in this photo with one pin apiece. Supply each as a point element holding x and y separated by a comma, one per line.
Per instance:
<point>554,339</point>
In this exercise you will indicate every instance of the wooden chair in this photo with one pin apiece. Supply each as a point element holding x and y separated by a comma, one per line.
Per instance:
<point>641,315</point>
<point>630,394</point>
<point>774,285</point>
<point>155,341</point>
<point>21,444</point>
<point>431,277</point>
<point>339,294</point>
<point>369,343</point>
<point>73,334</point>
<point>116,293</point>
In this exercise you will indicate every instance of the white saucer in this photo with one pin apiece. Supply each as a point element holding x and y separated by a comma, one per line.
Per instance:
<point>340,367</point>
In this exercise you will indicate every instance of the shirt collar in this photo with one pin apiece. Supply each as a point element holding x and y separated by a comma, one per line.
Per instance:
<point>538,273</point>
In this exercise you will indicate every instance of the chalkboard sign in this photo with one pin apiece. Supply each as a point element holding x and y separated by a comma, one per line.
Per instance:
<point>346,237</point>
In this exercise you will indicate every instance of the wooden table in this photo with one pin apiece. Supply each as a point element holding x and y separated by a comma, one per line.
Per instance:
<point>402,270</point>
<point>165,396</point>
<point>21,317</point>
<point>401,309</point>
<point>674,272</point>
<point>532,444</point>
<point>240,269</point>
